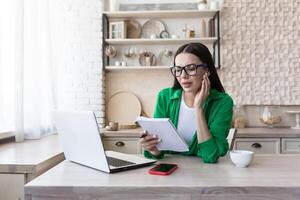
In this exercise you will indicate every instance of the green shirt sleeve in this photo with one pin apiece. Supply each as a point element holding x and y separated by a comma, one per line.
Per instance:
<point>211,149</point>
<point>159,112</point>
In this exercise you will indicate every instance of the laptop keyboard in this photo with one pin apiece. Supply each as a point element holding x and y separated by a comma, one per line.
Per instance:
<point>117,162</point>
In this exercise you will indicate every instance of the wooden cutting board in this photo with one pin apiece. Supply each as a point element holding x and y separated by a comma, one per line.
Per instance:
<point>123,107</point>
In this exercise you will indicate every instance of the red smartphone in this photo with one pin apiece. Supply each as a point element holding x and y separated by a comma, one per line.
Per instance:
<point>163,169</point>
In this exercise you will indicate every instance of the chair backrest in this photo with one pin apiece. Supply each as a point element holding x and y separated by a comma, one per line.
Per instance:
<point>231,137</point>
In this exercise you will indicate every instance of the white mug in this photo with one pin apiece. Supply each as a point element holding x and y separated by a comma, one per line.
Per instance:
<point>123,63</point>
<point>117,63</point>
<point>153,36</point>
<point>214,5</point>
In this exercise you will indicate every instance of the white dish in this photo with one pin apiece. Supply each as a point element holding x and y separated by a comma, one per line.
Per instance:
<point>152,26</point>
<point>241,158</point>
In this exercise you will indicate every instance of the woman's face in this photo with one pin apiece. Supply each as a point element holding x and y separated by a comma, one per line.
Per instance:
<point>190,83</point>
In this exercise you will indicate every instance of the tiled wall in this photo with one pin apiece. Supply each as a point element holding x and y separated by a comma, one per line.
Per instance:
<point>261,51</point>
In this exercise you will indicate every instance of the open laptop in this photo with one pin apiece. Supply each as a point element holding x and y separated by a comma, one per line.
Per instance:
<point>81,142</point>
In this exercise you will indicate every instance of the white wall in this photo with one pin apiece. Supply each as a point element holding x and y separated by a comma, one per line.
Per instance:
<point>78,29</point>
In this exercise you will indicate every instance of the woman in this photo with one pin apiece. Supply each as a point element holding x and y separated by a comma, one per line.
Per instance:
<point>196,104</point>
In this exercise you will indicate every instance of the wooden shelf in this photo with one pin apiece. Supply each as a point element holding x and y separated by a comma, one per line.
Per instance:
<point>206,40</point>
<point>162,14</point>
<point>135,68</point>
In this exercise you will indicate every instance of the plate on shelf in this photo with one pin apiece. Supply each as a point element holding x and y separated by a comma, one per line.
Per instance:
<point>152,26</point>
<point>147,59</point>
<point>123,107</point>
<point>134,29</point>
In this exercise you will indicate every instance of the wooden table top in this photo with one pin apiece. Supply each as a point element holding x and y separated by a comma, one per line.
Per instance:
<point>30,156</point>
<point>265,170</point>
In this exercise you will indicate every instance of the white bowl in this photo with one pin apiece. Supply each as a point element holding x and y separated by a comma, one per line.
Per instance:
<point>241,158</point>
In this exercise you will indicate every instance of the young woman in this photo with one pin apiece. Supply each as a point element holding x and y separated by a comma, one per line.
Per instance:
<point>196,104</point>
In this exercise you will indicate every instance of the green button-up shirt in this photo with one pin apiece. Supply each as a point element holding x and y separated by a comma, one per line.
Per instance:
<point>218,109</point>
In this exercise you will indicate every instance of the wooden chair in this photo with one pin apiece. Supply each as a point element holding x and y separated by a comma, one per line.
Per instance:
<point>231,137</point>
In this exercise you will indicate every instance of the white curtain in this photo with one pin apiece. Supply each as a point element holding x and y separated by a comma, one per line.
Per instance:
<point>27,73</point>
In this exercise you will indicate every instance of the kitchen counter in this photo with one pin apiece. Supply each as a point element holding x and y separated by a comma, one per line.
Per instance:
<point>256,132</point>
<point>31,156</point>
<point>22,162</point>
<point>268,177</point>
<point>265,132</point>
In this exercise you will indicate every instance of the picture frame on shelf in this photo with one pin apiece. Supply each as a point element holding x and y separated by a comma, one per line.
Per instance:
<point>117,30</point>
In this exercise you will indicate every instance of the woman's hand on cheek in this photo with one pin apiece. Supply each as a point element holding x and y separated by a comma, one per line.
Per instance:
<point>203,93</point>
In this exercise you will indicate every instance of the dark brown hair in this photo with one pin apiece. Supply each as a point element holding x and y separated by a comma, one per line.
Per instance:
<point>202,52</point>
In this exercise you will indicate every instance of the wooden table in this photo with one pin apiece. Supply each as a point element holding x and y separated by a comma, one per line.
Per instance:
<point>22,162</point>
<point>268,177</point>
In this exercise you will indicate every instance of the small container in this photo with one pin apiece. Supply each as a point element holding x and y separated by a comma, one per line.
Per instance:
<point>113,5</point>
<point>239,119</point>
<point>202,28</point>
<point>117,63</point>
<point>148,60</point>
<point>191,33</point>
<point>114,126</point>
<point>153,36</point>
<point>184,32</point>
<point>241,158</point>
<point>123,63</point>
<point>202,5</point>
<point>213,5</point>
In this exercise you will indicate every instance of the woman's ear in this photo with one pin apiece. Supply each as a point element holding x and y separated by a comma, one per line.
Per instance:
<point>208,73</point>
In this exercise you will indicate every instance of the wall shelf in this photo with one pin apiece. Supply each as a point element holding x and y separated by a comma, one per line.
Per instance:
<point>135,68</point>
<point>124,15</point>
<point>159,41</point>
<point>162,14</point>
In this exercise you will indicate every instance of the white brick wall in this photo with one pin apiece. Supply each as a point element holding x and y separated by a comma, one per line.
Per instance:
<point>79,32</point>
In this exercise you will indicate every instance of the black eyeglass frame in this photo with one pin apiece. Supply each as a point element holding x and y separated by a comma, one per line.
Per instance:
<point>204,65</point>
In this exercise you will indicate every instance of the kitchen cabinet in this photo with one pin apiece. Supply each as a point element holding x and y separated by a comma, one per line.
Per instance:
<point>290,145</point>
<point>266,140</point>
<point>123,144</point>
<point>128,140</point>
<point>259,145</point>
<point>124,141</point>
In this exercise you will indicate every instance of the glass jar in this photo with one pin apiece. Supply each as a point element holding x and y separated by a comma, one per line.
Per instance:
<point>191,33</point>
<point>239,117</point>
<point>270,115</point>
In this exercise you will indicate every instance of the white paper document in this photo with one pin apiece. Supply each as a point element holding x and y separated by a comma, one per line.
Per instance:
<point>166,131</point>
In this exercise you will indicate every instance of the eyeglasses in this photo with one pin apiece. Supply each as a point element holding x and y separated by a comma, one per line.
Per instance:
<point>190,69</point>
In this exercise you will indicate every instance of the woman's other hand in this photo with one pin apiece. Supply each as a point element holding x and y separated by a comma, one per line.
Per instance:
<point>203,92</point>
<point>149,143</point>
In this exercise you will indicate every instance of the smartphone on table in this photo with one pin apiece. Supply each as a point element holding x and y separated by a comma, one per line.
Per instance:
<point>163,169</point>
